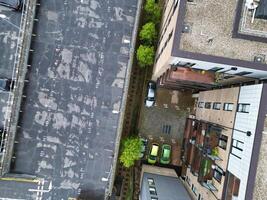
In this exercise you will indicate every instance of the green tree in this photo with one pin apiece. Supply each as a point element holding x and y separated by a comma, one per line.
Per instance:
<point>145,55</point>
<point>148,33</point>
<point>131,149</point>
<point>153,10</point>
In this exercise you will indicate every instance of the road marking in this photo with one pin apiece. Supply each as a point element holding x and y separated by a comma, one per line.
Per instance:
<point>10,199</point>
<point>20,180</point>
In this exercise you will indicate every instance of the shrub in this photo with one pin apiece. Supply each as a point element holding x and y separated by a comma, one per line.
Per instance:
<point>131,149</point>
<point>153,10</point>
<point>145,55</point>
<point>148,34</point>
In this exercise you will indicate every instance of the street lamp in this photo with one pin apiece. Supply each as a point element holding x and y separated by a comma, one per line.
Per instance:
<point>2,16</point>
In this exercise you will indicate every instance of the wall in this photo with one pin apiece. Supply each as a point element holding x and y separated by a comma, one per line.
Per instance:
<point>163,61</point>
<point>225,118</point>
<point>208,65</point>
<point>245,122</point>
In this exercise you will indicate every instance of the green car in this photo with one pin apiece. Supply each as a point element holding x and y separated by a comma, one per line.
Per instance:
<point>153,153</point>
<point>165,154</point>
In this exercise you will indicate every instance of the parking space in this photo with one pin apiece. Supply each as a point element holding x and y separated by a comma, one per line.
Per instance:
<point>164,123</point>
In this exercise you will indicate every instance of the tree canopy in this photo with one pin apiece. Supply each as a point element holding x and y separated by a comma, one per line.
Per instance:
<point>153,10</point>
<point>145,55</point>
<point>148,33</point>
<point>131,149</point>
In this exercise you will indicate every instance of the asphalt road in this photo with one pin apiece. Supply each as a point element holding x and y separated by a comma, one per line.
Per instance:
<point>69,119</point>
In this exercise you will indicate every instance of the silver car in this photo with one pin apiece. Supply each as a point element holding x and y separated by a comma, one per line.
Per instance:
<point>151,94</point>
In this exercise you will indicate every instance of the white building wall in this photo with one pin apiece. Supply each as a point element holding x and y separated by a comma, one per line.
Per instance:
<point>245,122</point>
<point>208,65</point>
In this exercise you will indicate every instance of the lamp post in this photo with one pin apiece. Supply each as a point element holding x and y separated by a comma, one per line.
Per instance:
<point>2,16</point>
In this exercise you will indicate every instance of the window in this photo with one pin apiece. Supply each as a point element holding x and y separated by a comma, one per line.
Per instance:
<point>208,105</point>
<point>237,148</point>
<point>152,190</point>
<point>243,73</point>
<point>150,181</point>
<point>201,104</point>
<point>223,141</point>
<point>218,173</point>
<point>215,69</point>
<point>243,107</point>
<point>194,190</point>
<point>238,144</point>
<point>228,106</point>
<point>216,106</point>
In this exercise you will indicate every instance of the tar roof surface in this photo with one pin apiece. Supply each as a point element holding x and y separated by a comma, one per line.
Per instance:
<point>211,34</point>
<point>76,80</point>
<point>8,40</point>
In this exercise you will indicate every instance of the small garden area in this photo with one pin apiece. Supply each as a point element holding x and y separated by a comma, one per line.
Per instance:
<point>148,35</point>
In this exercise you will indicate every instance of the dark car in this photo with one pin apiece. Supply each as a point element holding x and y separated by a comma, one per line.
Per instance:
<point>5,84</point>
<point>15,4</point>
<point>151,94</point>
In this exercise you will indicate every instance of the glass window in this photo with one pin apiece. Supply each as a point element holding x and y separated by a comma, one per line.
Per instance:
<point>208,105</point>
<point>218,173</point>
<point>216,106</point>
<point>201,104</point>
<point>243,73</point>
<point>150,181</point>
<point>223,141</point>
<point>228,106</point>
<point>152,190</point>
<point>243,107</point>
<point>215,69</point>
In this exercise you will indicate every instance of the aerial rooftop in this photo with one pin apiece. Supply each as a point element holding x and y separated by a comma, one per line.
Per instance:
<point>212,33</point>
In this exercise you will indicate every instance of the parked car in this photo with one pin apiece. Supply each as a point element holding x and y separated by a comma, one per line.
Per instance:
<point>143,147</point>
<point>165,154</point>
<point>153,153</point>
<point>14,4</point>
<point>5,84</point>
<point>151,94</point>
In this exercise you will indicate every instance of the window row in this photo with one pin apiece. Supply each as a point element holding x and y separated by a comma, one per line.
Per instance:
<point>242,107</point>
<point>152,188</point>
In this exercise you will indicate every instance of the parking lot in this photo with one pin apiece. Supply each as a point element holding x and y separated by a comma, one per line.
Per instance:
<point>68,124</point>
<point>164,123</point>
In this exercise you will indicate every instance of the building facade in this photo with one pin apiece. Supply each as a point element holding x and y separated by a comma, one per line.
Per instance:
<point>221,143</point>
<point>212,50</point>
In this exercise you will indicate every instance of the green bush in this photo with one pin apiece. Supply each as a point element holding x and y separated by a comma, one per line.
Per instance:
<point>148,33</point>
<point>131,149</point>
<point>145,55</point>
<point>153,10</point>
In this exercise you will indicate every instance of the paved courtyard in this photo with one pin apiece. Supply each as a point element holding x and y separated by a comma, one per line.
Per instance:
<point>70,114</point>
<point>166,120</point>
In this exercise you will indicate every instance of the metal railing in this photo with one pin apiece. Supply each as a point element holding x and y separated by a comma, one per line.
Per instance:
<point>17,84</point>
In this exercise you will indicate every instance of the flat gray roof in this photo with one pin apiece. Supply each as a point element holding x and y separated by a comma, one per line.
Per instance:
<point>168,188</point>
<point>69,120</point>
<point>212,25</point>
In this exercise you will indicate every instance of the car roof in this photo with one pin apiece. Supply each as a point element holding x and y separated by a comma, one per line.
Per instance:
<point>154,150</point>
<point>166,153</point>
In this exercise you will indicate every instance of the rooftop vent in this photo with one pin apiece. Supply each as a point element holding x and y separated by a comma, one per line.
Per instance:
<point>186,28</point>
<point>260,58</point>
